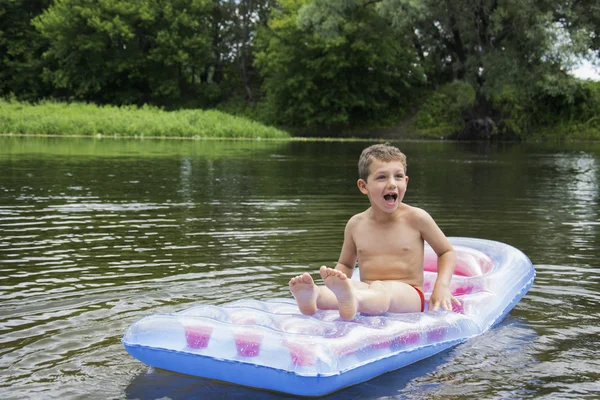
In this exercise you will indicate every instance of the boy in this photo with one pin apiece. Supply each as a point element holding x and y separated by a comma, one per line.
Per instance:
<point>387,240</point>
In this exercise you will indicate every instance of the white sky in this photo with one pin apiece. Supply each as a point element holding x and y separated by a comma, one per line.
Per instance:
<point>586,70</point>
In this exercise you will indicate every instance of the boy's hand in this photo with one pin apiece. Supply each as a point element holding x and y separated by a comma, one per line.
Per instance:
<point>441,296</point>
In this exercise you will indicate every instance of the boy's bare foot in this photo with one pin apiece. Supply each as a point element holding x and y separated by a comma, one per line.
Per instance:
<point>305,292</point>
<point>340,285</point>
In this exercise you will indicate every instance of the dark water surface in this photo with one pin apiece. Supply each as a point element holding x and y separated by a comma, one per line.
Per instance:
<point>96,234</point>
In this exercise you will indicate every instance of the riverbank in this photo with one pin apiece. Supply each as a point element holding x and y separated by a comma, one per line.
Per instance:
<point>77,120</point>
<point>87,120</point>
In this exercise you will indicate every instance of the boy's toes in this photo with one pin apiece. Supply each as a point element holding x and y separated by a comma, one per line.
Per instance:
<point>304,278</point>
<point>340,274</point>
<point>329,272</point>
<point>323,272</point>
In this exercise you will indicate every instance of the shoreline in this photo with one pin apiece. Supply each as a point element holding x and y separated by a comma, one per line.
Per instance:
<point>52,119</point>
<point>249,139</point>
<point>101,136</point>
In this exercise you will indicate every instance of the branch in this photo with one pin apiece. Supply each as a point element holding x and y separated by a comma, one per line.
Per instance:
<point>368,3</point>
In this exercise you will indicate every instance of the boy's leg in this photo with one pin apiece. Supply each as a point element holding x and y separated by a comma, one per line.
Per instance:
<point>311,297</point>
<point>343,290</point>
<point>378,298</point>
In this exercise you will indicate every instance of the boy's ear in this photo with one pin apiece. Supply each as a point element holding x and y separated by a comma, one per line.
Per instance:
<point>362,186</point>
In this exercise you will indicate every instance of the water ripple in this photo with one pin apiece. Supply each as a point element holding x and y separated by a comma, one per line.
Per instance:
<point>90,245</point>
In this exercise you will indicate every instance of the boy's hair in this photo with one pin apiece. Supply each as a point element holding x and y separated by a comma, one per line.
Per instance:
<point>382,152</point>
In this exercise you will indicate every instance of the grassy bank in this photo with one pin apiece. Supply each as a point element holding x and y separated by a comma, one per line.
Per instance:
<point>77,119</point>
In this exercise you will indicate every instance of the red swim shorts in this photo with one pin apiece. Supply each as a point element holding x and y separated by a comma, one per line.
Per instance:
<point>422,296</point>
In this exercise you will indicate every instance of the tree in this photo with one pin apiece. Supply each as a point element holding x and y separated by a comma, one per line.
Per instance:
<point>582,19</point>
<point>21,47</point>
<point>240,21</point>
<point>493,45</point>
<point>332,67</point>
<point>509,51</point>
<point>116,51</point>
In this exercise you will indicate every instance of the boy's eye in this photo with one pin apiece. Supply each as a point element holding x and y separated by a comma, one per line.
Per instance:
<point>399,176</point>
<point>381,177</point>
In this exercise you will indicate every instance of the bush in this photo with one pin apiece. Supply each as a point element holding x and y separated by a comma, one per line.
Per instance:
<point>443,111</point>
<point>79,119</point>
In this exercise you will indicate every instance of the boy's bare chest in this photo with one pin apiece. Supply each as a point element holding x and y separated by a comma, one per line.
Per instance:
<point>393,240</point>
<point>390,254</point>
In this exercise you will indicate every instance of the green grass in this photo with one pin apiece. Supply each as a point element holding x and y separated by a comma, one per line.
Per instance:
<point>78,119</point>
<point>569,130</point>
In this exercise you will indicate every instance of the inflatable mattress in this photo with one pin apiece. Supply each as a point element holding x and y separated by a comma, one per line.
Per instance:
<point>271,345</point>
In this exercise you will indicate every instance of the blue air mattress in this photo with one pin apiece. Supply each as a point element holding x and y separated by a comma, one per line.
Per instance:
<point>271,345</point>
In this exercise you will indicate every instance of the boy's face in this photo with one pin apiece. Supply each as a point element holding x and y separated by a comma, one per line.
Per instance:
<point>386,184</point>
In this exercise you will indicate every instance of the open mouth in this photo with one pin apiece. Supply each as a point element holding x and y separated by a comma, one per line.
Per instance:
<point>390,198</point>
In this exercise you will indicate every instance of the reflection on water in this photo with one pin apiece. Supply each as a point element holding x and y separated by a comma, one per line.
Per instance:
<point>95,235</point>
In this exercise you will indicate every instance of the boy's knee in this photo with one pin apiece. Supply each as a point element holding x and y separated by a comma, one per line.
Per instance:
<point>384,295</point>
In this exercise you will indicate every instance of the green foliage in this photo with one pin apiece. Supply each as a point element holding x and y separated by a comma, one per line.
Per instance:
<point>324,66</point>
<point>315,78</point>
<point>445,108</point>
<point>511,53</point>
<point>239,106</point>
<point>514,107</point>
<point>561,107</point>
<point>488,44</point>
<point>567,108</point>
<point>121,52</point>
<point>21,47</point>
<point>50,118</point>
<point>583,23</point>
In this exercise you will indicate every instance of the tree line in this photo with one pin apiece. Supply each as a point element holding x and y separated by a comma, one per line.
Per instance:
<point>476,68</point>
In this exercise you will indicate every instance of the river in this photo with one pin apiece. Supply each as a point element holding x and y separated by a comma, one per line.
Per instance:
<point>97,233</point>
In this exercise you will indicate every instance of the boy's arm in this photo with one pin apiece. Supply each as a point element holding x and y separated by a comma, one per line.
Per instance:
<point>433,235</point>
<point>348,256</point>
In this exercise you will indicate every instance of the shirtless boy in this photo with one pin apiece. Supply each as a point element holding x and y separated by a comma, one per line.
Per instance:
<point>387,240</point>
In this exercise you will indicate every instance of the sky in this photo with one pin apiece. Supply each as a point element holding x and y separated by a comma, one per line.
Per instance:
<point>587,71</point>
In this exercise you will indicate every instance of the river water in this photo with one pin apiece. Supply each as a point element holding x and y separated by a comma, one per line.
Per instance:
<point>96,234</point>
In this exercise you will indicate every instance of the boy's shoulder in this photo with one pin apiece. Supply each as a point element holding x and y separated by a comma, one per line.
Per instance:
<point>416,215</point>
<point>356,218</point>
<point>412,210</point>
